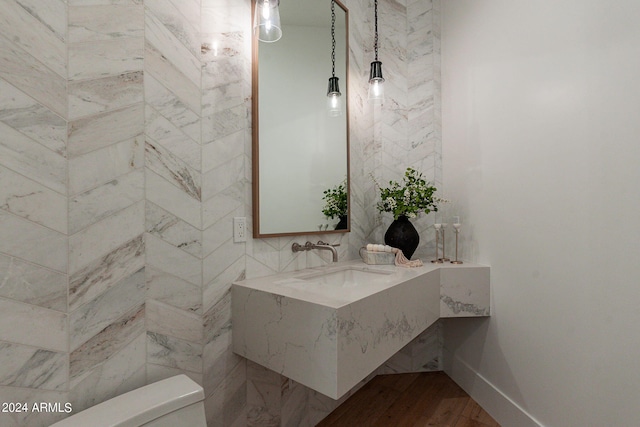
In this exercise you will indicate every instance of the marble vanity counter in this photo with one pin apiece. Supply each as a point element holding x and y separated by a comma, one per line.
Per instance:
<point>329,337</point>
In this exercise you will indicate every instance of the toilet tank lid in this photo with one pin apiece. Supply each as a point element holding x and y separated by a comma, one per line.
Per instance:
<point>139,406</point>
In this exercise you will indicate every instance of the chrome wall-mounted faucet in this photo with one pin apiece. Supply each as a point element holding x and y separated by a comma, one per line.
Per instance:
<point>297,247</point>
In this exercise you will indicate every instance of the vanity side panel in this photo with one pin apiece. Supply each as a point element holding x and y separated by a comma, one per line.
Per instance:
<point>267,330</point>
<point>373,329</point>
<point>465,291</point>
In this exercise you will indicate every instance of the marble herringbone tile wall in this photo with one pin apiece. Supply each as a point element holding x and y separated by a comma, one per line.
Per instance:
<point>407,131</point>
<point>105,152</point>
<point>34,230</point>
<point>226,138</point>
<point>173,174</point>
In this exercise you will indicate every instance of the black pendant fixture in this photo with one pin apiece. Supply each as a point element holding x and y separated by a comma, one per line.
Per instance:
<point>334,102</point>
<point>376,81</point>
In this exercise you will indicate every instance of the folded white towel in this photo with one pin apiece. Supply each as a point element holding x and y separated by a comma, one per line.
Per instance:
<point>401,260</point>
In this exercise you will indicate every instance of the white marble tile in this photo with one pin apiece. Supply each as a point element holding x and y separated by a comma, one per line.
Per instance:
<point>99,167</point>
<point>190,10</point>
<point>32,242</point>
<point>264,396</point>
<point>33,77</point>
<point>163,38</point>
<point>171,229</point>
<point>32,284</point>
<point>180,18</point>
<point>222,97</point>
<point>23,155</point>
<point>32,201</point>
<point>258,269</point>
<point>223,203</point>
<point>94,205</point>
<point>171,107</point>
<point>171,321</point>
<point>91,133</point>
<point>26,115</point>
<point>221,259</point>
<point>217,152</point>
<point>98,276</point>
<point>174,352</point>
<point>97,314</point>
<point>160,192</point>
<point>105,58</point>
<point>105,22</point>
<point>51,13</point>
<point>219,359</point>
<point>159,130</point>
<point>34,326</point>
<point>264,252</point>
<point>100,348</point>
<point>222,177</point>
<point>226,403</point>
<point>173,169</point>
<point>30,34</point>
<point>174,291</point>
<point>156,373</point>
<point>103,237</point>
<point>89,97</point>
<point>172,78</point>
<point>294,405</point>
<point>122,372</point>
<point>168,258</point>
<point>219,233</point>
<point>222,46</point>
<point>30,367</point>
<point>216,289</point>
<point>217,319</point>
<point>225,122</point>
<point>225,16</point>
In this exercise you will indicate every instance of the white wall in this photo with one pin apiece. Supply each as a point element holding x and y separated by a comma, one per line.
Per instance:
<point>541,147</point>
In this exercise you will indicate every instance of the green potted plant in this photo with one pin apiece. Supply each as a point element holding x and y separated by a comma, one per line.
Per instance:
<point>336,203</point>
<point>405,200</point>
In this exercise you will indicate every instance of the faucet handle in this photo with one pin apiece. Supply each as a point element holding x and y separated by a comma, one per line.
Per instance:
<point>320,242</point>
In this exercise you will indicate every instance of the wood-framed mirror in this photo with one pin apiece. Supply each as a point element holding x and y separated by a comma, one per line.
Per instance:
<point>300,151</point>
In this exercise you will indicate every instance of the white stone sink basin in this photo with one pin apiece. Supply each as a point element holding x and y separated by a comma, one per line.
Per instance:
<point>336,286</point>
<point>347,277</point>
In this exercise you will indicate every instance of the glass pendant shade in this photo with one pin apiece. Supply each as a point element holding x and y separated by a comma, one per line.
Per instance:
<point>267,21</point>
<point>376,82</point>
<point>334,100</point>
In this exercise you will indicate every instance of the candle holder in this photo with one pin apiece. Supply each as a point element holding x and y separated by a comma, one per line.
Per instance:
<point>437,227</point>
<point>456,228</point>
<point>444,255</point>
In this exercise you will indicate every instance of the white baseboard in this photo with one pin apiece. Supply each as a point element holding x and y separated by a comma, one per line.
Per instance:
<point>504,410</point>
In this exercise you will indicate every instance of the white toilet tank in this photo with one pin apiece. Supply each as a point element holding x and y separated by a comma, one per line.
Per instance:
<point>176,401</point>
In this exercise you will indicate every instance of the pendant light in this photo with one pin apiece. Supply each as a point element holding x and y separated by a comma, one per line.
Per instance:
<point>376,81</point>
<point>267,21</point>
<point>334,102</point>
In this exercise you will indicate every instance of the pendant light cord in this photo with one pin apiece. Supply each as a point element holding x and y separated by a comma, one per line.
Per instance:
<point>375,11</point>
<point>333,38</point>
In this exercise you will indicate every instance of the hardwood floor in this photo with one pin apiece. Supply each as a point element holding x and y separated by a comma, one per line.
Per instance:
<point>421,399</point>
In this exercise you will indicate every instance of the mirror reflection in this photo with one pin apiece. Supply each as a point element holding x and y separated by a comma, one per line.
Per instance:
<point>300,142</point>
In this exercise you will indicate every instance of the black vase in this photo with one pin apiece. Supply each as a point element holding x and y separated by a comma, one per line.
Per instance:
<point>342,225</point>
<point>403,235</point>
